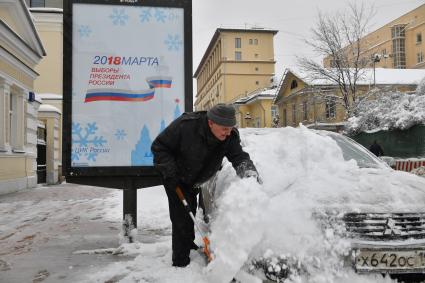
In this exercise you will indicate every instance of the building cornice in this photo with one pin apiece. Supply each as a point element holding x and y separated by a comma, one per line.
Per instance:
<point>217,34</point>
<point>19,12</point>
<point>47,19</point>
<point>250,61</point>
<point>16,62</point>
<point>10,38</point>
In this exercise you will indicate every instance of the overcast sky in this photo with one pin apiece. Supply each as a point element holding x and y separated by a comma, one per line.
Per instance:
<point>292,18</point>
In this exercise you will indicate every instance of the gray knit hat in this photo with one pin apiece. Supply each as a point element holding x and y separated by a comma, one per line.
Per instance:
<point>223,115</point>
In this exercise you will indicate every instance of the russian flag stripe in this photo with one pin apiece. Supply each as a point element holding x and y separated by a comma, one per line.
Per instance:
<point>122,95</point>
<point>117,94</point>
<point>160,83</point>
<point>110,98</point>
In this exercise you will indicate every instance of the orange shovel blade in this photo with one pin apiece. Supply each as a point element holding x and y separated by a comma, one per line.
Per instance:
<point>206,249</point>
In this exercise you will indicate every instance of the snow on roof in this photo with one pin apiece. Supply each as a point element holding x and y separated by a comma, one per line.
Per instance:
<point>49,96</point>
<point>382,77</point>
<point>46,10</point>
<point>48,108</point>
<point>265,93</point>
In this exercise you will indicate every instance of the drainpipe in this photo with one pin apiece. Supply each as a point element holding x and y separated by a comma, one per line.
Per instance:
<point>264,114</point>
<point>224,69</point>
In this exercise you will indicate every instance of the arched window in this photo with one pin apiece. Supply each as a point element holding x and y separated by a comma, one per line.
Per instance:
<point>294,84</point>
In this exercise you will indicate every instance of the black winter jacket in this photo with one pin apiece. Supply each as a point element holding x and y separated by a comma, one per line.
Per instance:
<point>186,153</point>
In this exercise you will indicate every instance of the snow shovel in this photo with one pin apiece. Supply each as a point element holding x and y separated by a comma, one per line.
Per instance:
<point>204,238</point>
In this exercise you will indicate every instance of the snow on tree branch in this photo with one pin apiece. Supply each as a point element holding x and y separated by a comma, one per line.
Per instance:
<point>338,39</point>
<point>389,111</point>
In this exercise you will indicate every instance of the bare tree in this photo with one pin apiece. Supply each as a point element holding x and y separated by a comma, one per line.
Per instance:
<point>338,38</point>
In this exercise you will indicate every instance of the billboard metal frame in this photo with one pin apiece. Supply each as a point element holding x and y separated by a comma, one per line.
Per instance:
<point>121,177</point>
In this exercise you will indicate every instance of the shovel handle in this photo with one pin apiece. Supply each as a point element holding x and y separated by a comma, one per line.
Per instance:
<point>204,238</point>
<point>184,202</point>
<point>180,193</point>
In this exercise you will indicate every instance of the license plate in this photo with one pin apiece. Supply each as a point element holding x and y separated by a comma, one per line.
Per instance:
<point>370,260</point>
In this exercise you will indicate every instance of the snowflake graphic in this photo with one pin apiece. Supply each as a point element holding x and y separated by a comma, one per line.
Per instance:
<point>120,134</point>
<point>173,42</point>
<point>84,31</point>
<point>84,140</point>
<point>119,17</point>
<point>160,15</point>
<point>145,15</point>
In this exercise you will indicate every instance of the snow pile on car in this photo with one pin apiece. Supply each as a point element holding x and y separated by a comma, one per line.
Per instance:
<point>303,173</point>
<point>389,111</point>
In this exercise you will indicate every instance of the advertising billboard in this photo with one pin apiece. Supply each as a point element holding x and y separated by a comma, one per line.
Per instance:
<point>127,75</point>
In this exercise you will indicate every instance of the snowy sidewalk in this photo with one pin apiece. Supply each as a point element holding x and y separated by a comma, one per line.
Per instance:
<point>42,228</point>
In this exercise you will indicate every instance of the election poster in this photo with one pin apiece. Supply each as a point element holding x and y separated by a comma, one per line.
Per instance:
<point>128,81</point>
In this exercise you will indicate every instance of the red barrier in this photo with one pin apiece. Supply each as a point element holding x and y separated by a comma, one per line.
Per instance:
<point>408,165</point>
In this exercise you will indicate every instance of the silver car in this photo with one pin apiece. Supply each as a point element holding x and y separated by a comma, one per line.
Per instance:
<point>386,242</point>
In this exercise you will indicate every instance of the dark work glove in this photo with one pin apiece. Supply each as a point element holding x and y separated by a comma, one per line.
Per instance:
<point>253,173</point>
<point>247,170</point>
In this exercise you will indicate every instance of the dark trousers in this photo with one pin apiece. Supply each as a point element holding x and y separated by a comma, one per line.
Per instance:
<point>183,233</point>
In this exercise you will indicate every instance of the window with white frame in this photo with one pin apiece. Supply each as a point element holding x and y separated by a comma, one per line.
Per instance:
<point>16,119</point>
<point>419,38</point>
<point>238,55</point>
<point>44,3</point>
<point>12,119</point>
<point>330,107</point>
<point>274,111</point>
<point>238,43</point>
<point>419,57</point>
<point>294,113</point>
<point>305,113</point>
<point>257,122</point>
<point>4,113</point>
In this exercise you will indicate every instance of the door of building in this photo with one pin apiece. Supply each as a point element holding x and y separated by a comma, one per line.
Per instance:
<point>41,154</point>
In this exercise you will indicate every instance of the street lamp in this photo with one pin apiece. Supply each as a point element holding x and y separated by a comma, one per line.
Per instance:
<point>375,59</point>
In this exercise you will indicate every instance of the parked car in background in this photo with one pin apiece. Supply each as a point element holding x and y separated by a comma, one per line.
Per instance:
<point>327,208</point>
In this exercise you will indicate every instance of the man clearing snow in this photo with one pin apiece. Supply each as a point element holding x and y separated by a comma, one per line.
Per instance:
<point>189,152</point>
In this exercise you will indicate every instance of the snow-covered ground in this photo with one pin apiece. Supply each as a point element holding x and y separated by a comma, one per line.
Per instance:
<point>64,233</point>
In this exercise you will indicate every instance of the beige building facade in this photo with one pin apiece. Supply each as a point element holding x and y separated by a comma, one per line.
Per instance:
<point>399,44</point>
<point>48,86</point>
<point>20,51</point>
<point>236,63</point>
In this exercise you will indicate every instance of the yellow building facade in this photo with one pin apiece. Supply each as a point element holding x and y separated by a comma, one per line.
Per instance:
<point>315,103</point>
<point>236,63</point>
<point>399,44</point>
<point>20,51</point>
<point>48,86</point>
<point>256,110</point>
<point>49,25</point>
